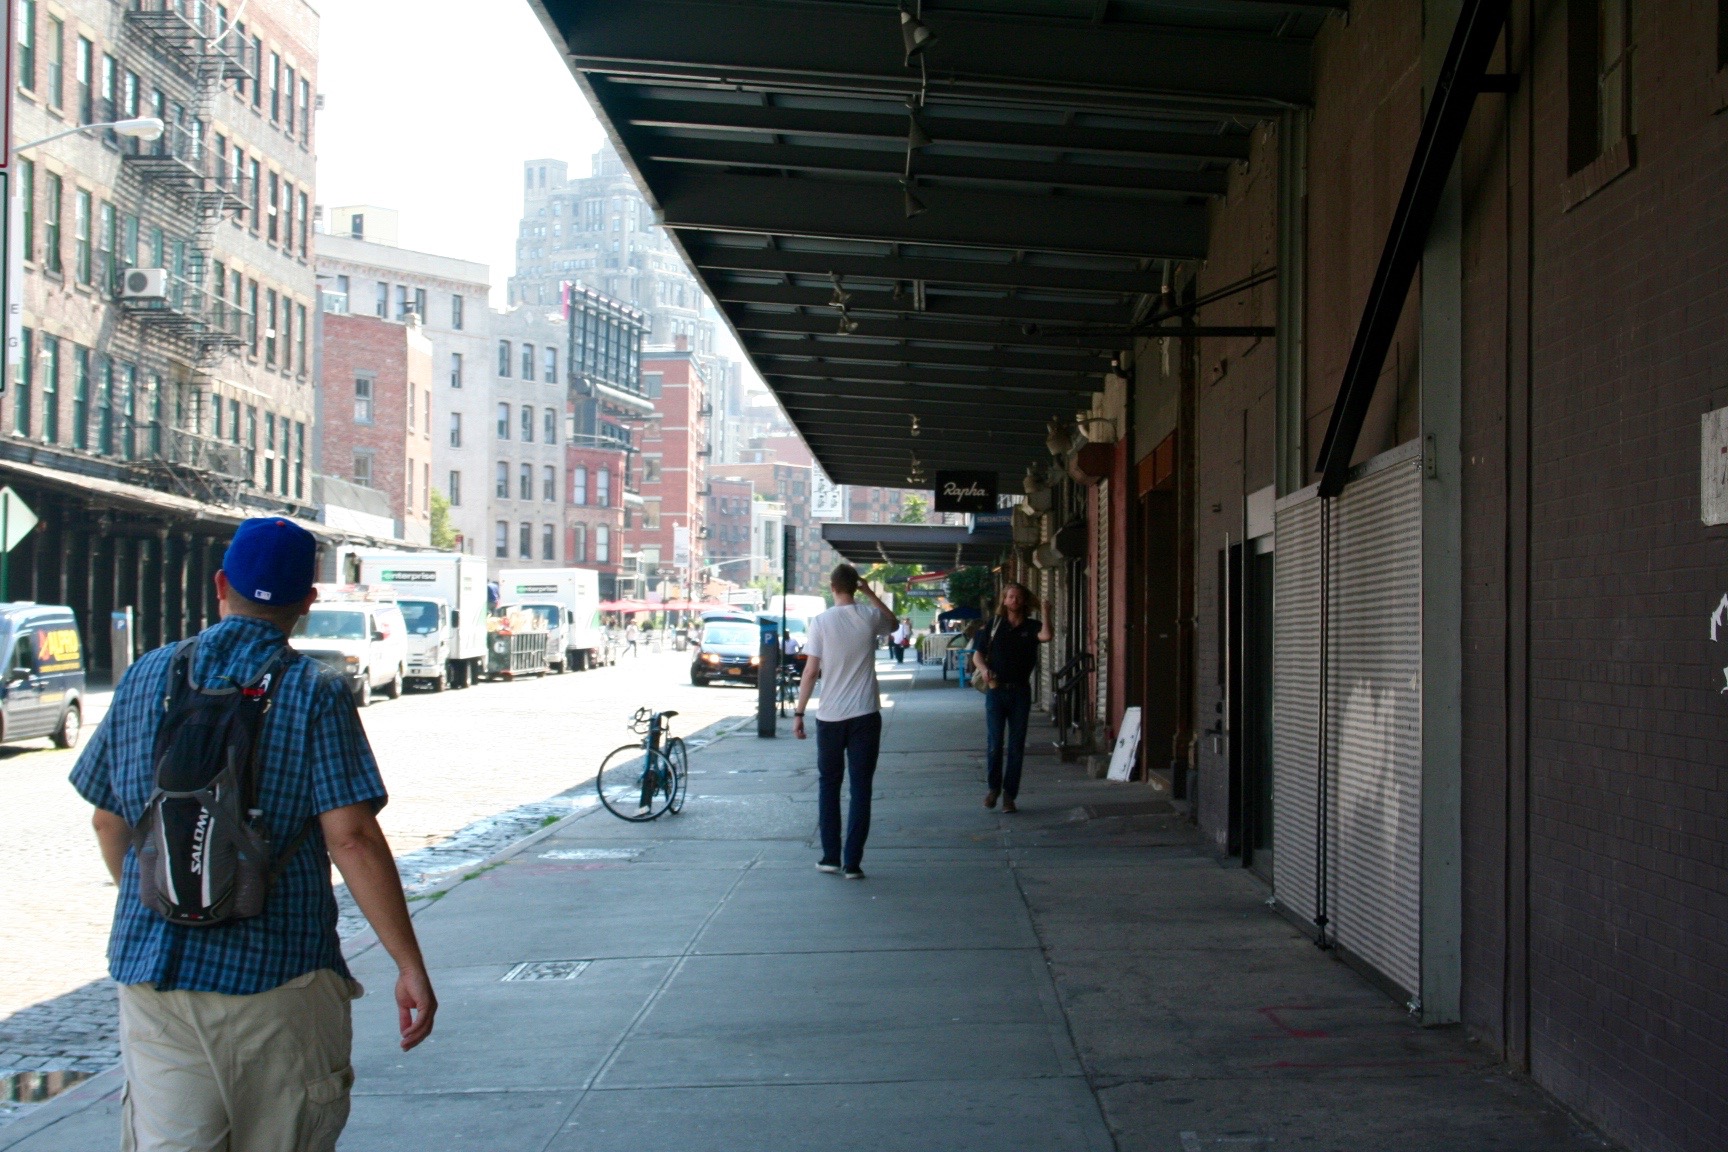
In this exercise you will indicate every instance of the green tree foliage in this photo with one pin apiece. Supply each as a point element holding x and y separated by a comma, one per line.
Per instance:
<point>971,587</point>
<point>914,509</point>
<point>443,533</point>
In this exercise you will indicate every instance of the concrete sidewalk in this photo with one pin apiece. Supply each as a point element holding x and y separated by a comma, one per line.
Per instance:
<point>1078,976</point>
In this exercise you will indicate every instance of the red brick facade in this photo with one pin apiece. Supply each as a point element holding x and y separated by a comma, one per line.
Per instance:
<point>674,468</point>
<point>375,416</point>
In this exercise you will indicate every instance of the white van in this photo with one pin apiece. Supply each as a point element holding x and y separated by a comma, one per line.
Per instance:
<point>361,636</point>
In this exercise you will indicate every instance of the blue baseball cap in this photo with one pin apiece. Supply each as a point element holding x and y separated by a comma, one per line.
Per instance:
<point>271,561</point>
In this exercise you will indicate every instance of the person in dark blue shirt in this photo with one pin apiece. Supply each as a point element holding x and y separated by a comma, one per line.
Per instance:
<point>236,1036</point>
<point>1006,651</point>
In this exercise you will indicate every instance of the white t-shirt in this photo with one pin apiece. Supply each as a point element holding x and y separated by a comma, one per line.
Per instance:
<point>844,639</point>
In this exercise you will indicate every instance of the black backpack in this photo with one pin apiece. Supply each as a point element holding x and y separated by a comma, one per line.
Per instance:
<point>203,855</point>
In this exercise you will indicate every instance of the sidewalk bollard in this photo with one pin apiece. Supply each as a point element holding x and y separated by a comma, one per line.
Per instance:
<point>767,688</point>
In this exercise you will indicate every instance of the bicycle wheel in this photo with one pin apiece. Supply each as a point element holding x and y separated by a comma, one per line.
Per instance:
<point>635,784</point>
<point>680,759</point>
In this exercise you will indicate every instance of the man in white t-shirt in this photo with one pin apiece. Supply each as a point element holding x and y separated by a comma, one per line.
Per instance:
<point>840,645</point>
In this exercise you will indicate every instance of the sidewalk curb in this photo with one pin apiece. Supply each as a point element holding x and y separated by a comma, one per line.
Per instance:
<point>82,1096</point>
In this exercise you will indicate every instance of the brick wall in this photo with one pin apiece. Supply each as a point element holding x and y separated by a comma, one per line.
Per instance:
<point>396,360</point>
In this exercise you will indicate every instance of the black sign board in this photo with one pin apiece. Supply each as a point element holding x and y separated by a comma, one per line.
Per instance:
<point>965,491</point>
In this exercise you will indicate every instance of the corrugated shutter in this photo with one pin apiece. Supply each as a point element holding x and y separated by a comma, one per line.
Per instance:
<point>1376,721</point>
<point>1374,747</point>
<point>1295,700</point>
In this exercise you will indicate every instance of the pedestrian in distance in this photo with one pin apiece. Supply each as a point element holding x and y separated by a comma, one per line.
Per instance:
<point>899,639</point>
<point>229,774</point>
<point>840,650</point>
<point>1006,653</point>
<point>632,636</point>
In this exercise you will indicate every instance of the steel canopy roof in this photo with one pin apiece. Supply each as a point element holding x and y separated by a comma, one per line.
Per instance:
<point>965,235</point>
<point>932,545</point>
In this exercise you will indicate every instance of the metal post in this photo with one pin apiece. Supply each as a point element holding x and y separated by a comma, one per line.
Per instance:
<point>5,551</point>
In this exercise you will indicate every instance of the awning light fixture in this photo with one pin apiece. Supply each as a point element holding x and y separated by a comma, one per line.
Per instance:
<point>914,206</point>
<point>914,33</point>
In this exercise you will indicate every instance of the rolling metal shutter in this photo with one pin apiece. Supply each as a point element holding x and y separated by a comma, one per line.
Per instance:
<point>1374,753</point>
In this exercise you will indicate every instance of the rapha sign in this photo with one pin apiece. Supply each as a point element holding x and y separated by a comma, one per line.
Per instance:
<point>965,491</point>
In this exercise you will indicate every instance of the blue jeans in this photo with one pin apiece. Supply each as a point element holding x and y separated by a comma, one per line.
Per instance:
<point>846,747</point>
<point>1005,712</point>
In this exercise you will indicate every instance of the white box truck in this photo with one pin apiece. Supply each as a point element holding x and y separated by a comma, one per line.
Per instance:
<point>569,601</point>
<point>443,600</point>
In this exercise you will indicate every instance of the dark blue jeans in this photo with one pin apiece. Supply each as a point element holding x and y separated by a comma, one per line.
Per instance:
<point>1005,713</point>
<point>847,748</point>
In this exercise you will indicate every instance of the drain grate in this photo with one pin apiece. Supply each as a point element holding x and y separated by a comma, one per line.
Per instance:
<point>547,970</point>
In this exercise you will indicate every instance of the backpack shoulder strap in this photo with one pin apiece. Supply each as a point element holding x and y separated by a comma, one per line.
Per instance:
<point>180,666</point>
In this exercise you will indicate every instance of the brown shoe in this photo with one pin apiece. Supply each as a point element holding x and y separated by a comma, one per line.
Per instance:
<point>1010,806</point>
<point>990,798</point>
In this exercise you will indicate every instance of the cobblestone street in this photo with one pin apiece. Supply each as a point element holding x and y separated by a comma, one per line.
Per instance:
<point>469,772</point>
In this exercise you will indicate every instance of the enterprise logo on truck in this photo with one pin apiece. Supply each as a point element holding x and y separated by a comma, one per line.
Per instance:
<point>409,576</point>
<point>536,589</point>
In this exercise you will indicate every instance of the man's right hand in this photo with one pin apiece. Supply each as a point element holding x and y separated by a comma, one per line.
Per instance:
<point>416,1005</point>
<point>798,727</point>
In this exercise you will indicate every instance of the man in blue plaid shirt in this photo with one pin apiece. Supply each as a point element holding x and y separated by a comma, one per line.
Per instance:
<point>236,1037</point>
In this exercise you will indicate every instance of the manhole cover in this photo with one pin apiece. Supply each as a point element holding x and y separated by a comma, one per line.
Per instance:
<point>1129,808</point>
<point>547,970</point>
<point>591,854</point>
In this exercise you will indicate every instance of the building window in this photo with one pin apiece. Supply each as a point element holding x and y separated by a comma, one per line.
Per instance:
<point>287,219</point>
<point>288,100</point>
<point>426,487</point>
<point>274,73</point>
<point>299,460</point>
<point>650,469</point>
<point>413,408</point>
<point>305,226</point>
<point>551,365</point>
<point>128,415</point>
<point>549,484</point>
<point>527,361</point>
<point>1599,78</point>
<point>254,175</point>
<point>402,305</point>
<point>381,301</point>
<point>501,540</point>
<point>251,453</point>
<point>503,421</point>
<point>27,197</point>
<point>272,230</point>
<point>84,64</point>
<point>107,242</point>
<point>105,407</point>
<point>455,489</point>
<point>504,358</point>
<point>362,400</point>
<point>455,369</point>
<point>549,426</point>
<point>456,312</point>
<point>305,116</point>
<point>83,264</point>
<point>525,482</point>
<point>51,225</point>
<point>579,543</point>
<point>455,429</point>
<point>270,452</point>
<point>27,44</point>
<point>270,328</point>
<point>525,541</point>
<point>26,377</point>
<point>80,396</point>
<point>501,483</point>
<point>56,61</point>
<point>50,389</point>
<point>420,303</point>
<point>603,487</point>
<point>408,505</point>
<point>363,469</point>
<point>300,336</point>
<point>527,424</point>
<point>548,542</point>
<point>602,544</point>
<point>579,486</point>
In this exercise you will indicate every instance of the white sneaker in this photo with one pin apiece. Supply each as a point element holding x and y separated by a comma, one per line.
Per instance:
<point>825,866</point>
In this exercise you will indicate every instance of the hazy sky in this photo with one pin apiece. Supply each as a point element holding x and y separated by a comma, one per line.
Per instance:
<point>431,110</point>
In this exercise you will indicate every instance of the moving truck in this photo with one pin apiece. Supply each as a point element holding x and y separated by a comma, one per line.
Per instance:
<point>443,599</point>
<point>568,599</point>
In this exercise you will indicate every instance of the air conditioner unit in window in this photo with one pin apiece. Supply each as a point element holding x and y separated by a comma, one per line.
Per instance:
<point>144,284</point>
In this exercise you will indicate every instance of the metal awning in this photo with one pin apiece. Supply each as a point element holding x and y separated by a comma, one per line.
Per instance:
<point>961,229</point>
<point>932,545</point>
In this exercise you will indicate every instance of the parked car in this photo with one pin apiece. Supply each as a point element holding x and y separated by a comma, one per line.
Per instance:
<point>728,650</point>
<point>43,691</point>
<point>361,636</point>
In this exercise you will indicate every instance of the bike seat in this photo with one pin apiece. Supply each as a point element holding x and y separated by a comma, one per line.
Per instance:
<point>667,715</point>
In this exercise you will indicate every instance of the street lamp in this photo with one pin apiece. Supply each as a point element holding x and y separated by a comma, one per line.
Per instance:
<point>144,128</point>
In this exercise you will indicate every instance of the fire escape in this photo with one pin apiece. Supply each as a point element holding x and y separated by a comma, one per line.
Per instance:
<point>177,308</point>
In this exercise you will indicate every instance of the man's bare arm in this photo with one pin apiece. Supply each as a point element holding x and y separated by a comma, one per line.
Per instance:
<point>113,836</point>
<point>360,852</point>
<point>812,670</point>
<point>869,594</point>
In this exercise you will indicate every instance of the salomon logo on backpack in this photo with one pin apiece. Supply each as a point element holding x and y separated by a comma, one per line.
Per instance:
<point>203,856</point>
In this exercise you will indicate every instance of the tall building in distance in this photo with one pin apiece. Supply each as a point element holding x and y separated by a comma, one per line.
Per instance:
<point>362,272</point>
<point>163,384</point>
<point>598,231</point>
<point>608,405</point>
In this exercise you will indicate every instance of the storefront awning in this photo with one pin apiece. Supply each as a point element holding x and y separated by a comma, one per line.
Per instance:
<point>932,545</point>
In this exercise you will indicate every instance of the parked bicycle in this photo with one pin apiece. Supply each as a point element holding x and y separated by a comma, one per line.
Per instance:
<point>645,780</point>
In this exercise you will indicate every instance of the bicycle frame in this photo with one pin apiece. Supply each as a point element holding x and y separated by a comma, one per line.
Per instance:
<point>651,745</point>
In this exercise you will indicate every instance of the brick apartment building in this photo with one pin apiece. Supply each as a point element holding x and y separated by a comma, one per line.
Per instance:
<point>375,418</point>
<point>729,500</point>
<point>674,460</point>
<point>607,407</point>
